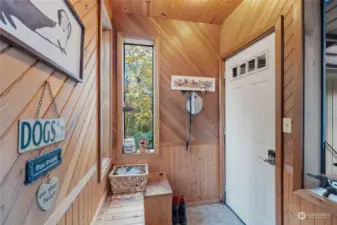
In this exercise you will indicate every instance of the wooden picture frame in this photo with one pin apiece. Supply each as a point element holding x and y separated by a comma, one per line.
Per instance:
<point>52,36</point>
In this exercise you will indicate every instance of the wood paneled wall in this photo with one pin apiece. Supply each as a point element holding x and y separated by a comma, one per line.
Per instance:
<point>21,79</point>
<point>83,209</point>
<point>186,48</point>
<point>296,204</point>
<point>236,32</point>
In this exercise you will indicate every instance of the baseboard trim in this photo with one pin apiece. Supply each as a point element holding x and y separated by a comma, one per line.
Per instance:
<point>206,202</point>
<point>99,207</point>
<point>66,203</point>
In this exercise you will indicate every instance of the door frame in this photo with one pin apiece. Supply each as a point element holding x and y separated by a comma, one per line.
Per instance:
<point>278,28</point>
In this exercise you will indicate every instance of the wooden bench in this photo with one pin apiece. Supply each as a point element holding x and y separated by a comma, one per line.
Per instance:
<point>124,209</point>
<point>158,200</point>
<point>154,207</point>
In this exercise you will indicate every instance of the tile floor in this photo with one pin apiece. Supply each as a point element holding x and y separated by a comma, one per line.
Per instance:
<point>217,214</point>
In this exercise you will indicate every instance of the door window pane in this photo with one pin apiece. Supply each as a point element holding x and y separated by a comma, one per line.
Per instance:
<point>251,65</point>
<point>243,69</point>
<point>261,61</point>
<point>235,72</point>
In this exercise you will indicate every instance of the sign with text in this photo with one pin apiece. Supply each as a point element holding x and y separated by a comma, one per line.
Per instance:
<point>42,164</point>
<point>46,194</point>
<point>34,134</point>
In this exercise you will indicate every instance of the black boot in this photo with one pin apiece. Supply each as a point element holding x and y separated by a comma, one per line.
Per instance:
<point>175,210</point>
<point>182,211</point>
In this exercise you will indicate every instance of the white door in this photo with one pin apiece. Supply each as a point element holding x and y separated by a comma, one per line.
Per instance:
<point>250,132</point>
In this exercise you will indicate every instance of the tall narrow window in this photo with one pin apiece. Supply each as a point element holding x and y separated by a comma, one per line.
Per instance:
<point>138,96</point>
<point>106,115</point>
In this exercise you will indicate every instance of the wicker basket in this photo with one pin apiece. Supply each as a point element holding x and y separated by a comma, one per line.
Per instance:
<point>128,183</point>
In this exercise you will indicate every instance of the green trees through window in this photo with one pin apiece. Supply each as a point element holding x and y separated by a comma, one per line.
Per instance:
<point>138,94</point>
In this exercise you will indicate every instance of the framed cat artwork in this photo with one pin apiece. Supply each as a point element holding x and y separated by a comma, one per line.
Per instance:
<point>51,31</point>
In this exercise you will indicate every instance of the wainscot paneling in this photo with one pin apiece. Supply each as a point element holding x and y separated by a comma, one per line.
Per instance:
<point>84,208</point>
<point>192,49</point>
<point>314,214</point>
<point>194,174</point>
<point>21,79</point>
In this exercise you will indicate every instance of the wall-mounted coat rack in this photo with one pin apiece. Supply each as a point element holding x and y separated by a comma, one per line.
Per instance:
<point>189,86</point>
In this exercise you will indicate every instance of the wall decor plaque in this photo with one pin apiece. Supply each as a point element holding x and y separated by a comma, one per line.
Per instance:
<point>42,164</point>
<point>188,83</point>
<point>47,193</point>
<point>34,134</point>
<point>48,30</point>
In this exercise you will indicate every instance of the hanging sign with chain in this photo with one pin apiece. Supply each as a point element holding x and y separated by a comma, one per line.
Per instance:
<point>37,133</point>
<point>34,134</point>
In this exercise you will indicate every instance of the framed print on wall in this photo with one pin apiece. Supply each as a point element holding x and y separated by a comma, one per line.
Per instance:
<point>48,30</point>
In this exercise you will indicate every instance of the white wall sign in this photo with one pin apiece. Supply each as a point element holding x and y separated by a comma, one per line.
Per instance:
<point>34,134</point>
<point>187,83</point>
<point>49,30</point>
<point>47,193</point>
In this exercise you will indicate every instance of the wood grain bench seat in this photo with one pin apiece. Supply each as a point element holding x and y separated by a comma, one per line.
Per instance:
<point>158,200</point>
<point>154,207</point>
<point>125,209</point>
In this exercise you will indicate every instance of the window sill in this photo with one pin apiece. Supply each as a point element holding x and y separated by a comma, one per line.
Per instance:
<point>315,196</point>
<point>150,153</point>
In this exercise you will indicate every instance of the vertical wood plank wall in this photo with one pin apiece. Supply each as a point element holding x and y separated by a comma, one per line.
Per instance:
<point>186,48</point>
<point>83,209</point>
<point>236,31</point>
<point>21,79</point>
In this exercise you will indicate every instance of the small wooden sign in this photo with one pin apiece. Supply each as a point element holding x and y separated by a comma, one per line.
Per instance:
<point>34,134</point>
<point>42,164</point>
<point>188,83</point>
<point>47,193</point>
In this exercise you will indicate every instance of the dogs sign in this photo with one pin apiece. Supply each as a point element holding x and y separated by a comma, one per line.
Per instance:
<point>34,134</point>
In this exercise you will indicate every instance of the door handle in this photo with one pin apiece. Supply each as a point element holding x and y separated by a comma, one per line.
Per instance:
<point>269,160</point>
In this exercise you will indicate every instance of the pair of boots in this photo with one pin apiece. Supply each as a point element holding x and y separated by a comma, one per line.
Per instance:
<point>179,210</point>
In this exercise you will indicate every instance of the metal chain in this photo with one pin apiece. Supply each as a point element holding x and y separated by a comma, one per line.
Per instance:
<point>53,100</point>
<point>55,109</point>
<point>37,113</point>
<point>38,109</point>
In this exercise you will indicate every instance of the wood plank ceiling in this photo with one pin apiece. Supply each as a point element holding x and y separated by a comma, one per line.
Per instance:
<point>203,11</point>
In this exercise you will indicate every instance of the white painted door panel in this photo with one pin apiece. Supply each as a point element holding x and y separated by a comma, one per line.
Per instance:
<point>250,133</point>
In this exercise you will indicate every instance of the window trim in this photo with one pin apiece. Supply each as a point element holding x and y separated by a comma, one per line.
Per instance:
<point>120,92</point>
<point>145,43</point>
<point>104,24</point>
